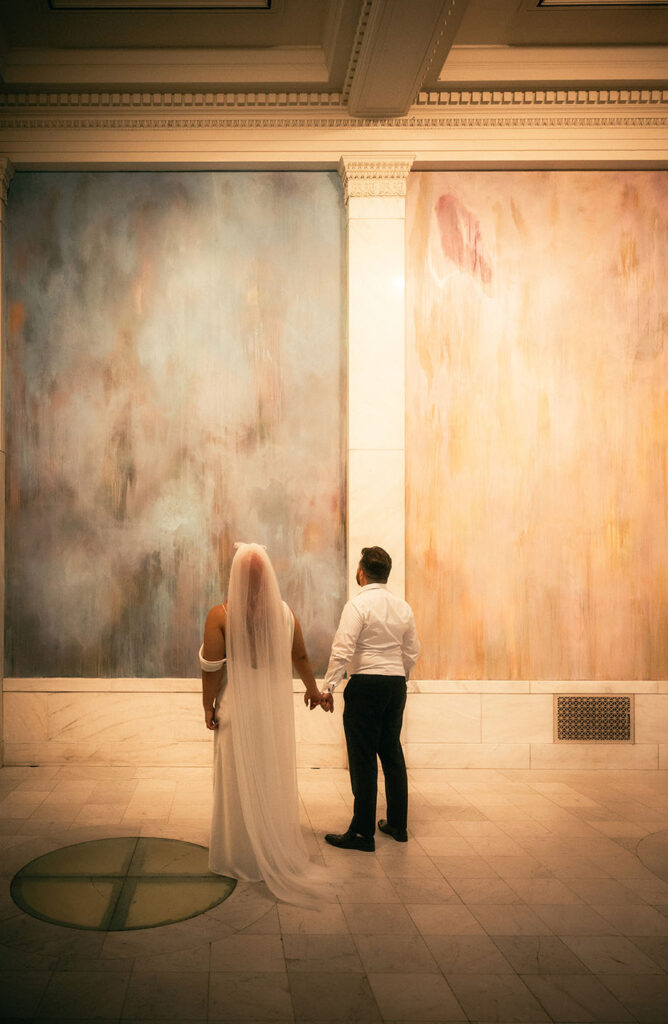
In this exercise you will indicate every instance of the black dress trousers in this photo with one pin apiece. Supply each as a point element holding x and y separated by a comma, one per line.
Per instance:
<point>372,717</point>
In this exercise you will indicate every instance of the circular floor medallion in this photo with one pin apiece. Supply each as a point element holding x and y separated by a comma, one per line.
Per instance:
<point>653,853</point>
<point>120,884</point>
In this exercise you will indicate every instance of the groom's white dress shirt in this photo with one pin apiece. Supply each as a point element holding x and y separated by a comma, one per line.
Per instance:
<point>376,636</point>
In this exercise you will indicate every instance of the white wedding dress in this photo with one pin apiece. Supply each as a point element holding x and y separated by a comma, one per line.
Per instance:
<point>230,849</point>
<point>255,828</point>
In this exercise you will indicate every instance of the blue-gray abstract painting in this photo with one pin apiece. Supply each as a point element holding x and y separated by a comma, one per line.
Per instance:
<point>175,383</point>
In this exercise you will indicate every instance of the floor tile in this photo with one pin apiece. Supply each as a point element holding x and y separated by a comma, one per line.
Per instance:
<point>71,995</point>
<point>496,997</point>
<point>655,947</point>
<point>602,890</point>
<point>444,920</point>
<point>21,992</point>
<point>611,954</point>
<point>167,994</point>
<point>484,890</point>
<point>424,890</point>
<point>577,999</point>
<point>519,866</point>
<point>413,866</point>
<point>241,995</point>
<point>574,920</point>
<point>645,996</point>
<point>326,953</point>
<point>248,953</point>
<point>334,996</point>
<point>445,846</point>
<point>406,953</point>
<point>267,924</point>
<point>378,919</point>
<point>367,890</point>
<point>512,919</point>
<point>539,954</point>
<point>634,920</point>
<point>328,919</point>
<point>467,954</point>
<point>415,997</point>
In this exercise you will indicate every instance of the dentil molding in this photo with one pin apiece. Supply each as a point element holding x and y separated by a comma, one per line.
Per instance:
<point>325,109</point>
<point>6,175</point>
<point>362,23</point>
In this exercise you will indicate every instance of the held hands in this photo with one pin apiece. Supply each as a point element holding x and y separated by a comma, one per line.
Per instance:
<point>318,699</point>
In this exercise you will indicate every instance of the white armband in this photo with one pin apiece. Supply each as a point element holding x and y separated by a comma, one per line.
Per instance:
<point>209,666</point>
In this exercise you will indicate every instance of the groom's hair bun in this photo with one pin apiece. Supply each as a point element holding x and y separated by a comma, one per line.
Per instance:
<point>376,564</point>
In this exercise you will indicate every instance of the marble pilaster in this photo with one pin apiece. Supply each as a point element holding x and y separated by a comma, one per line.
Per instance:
<point>6,173</point>
<point>375,189</point>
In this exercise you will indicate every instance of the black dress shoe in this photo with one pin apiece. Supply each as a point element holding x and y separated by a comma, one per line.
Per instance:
<point>351,841</point>
<point>400,834</point>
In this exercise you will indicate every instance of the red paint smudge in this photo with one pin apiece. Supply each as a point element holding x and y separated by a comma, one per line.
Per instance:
<point>461,238</point>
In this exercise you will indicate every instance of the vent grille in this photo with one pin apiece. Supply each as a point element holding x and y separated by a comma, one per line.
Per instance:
<point>593,718</point>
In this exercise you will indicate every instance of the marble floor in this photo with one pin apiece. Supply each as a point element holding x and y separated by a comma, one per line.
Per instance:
<point>520,896</point>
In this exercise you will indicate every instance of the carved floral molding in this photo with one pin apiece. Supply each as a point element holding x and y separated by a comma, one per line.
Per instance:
<point>373,176</point>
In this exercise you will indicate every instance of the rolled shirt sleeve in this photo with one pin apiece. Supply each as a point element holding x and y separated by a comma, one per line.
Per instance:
<point>343,645</point>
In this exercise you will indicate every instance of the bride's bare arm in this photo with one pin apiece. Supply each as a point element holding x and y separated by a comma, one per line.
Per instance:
<point>213,649</point>
<point>300,660</point>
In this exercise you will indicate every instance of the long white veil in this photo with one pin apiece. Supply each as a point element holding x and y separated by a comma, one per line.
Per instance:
<point>259,668</point>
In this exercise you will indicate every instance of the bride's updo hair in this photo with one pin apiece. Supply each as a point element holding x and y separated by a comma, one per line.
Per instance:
<point>376,564</point>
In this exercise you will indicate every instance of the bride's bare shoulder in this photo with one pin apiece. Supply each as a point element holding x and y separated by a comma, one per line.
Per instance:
<point>217,615</point>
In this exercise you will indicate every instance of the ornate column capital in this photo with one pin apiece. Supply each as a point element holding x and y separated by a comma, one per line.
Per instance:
<point>6,175</point>
<point>374,175</point>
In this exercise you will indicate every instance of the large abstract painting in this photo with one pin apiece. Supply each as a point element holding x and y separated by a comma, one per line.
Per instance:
<point>175,383</point>
<point>537,430</point>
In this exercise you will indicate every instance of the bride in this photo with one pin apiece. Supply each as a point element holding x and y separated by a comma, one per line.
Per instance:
<point>250,644</point>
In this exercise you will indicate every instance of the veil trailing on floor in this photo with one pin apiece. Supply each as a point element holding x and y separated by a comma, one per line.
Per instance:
<point>259,666</point>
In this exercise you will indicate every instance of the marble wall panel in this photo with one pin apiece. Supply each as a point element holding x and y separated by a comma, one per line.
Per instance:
<point>442,718</point>
<point>26,715</point>
<point>376,500</point>
<point>108,718</point>
<point>376,342</point>
<point>321,755</point>
<point>468,755</point>
<point>317,727</point>
<point>594,755</point>
<point>513,718</point>
<point>537,423</point>
<point>376,208</point>
<point>651,718</point>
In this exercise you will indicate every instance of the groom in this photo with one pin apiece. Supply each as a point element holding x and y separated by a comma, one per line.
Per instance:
<point>377,640</point>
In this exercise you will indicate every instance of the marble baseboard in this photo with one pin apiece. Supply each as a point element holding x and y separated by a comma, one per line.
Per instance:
<point>160,722</point>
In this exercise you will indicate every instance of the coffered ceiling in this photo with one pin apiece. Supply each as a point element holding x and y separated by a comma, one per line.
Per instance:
<point>372,55</point>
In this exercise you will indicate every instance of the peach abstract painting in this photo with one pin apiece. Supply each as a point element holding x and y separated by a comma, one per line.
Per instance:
<point>537,423</point>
